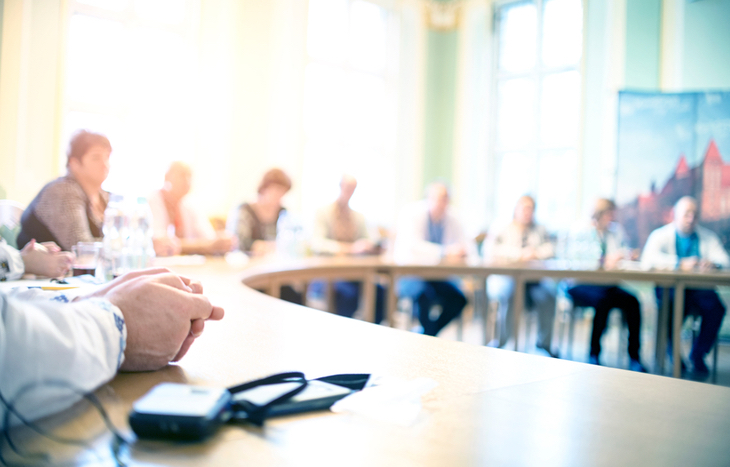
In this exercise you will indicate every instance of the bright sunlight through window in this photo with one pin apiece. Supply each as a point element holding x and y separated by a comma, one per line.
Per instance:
<point>130,74</point>
<point>538,95</point>
<point>350,106</point>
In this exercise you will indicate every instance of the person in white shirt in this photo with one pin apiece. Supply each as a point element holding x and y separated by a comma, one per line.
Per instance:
<point>603,242</point>
<point>54,348</point>
<point>686,246</point>
<point>341,231</point>
<point>177,226</point>
<point>523,240</point>
<point>41,259</point>
<point>428,234</point>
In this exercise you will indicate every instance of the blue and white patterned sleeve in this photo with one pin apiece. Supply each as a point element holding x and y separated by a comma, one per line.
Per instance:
<point>49,344</point>
<point>11,262</point>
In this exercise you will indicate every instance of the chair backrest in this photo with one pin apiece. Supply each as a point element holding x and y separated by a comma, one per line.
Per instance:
<point>10,213</point>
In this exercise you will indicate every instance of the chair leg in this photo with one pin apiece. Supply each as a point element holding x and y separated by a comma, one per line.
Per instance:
<point>571,332</point>
<point>623,338</point>
<point>714,362</point>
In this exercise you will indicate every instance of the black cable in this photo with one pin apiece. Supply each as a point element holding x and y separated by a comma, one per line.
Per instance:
<point>119,442</point>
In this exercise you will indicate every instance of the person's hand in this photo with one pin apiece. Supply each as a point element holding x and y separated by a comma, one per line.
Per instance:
<point>528,254</point>
<point>704,265</point>
<point>688,264</point>
<point>222,244</point>
<point>611,261</point>
<point>454,252</point>
<point>362,246</point>
<point>262,247</point>
<point>51,247</point>
<point>164,313</point>
<point>167,246</point>
<point>46,259</point>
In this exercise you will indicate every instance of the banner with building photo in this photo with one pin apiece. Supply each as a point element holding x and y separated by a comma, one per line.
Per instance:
<point>672,145</point>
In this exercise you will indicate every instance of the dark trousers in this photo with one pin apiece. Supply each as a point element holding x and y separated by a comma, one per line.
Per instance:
<point>347,297</point>
<point>698,302</point>
<point>289,294</point>
<point>446,294</point>
<point>603,299</point>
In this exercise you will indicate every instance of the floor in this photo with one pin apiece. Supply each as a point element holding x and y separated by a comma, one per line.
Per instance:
<point>471,329</point>
<point>614,353</point>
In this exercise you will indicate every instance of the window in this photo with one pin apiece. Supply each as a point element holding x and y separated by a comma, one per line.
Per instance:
<point>350,105</point>
<point>130,74</point>
<point>538,95</point>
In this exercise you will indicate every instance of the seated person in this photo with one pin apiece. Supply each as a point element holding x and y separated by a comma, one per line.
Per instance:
<point>254,224</point>
<point>339,230</point>
<point>138,322</point>
<point>686,246</point>
<point>71,208</point>
<point>40,259</point>
<point>606,238</point>
<point>428,232</point>
<point>178,228</point>
<point>519,241</point>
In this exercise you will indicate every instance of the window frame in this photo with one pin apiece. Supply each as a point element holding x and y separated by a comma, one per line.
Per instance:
<point>188,29</point>
<point>390,77</point>
<point>536,75</point>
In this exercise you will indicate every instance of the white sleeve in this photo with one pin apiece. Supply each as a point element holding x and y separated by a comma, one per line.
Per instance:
<point>460,238</point>
<point>654,255</point>
<point>321,243</point>
<point>48,346</point>
<point>410,247</point>
<point>545,249</point>
<point>201,226</point>
<point>716,252</point>
<point>11,263</point>
<point>160,219</point>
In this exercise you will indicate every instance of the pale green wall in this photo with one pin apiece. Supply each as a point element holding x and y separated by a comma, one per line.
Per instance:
<point>440,105</point>
<point>706,61</point>
<point>643,34</point>
<point>2,7</point>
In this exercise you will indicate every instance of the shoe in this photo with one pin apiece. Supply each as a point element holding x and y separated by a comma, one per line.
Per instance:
<point>549,352</point>
<point>698,365</point>
<point>418,329</point>
<point>593,360</point>
<point>635,365</point>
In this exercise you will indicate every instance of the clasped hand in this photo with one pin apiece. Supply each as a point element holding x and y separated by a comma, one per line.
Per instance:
<point>695,263</point>
<point>164,314</point>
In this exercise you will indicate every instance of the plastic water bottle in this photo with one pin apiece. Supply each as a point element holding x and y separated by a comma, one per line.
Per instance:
<point>140,247</point>
<point>289,237</point>
<point>116,233</point>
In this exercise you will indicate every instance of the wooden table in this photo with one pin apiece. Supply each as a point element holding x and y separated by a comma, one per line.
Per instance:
<point>270,275</point>
<point>491,406</point>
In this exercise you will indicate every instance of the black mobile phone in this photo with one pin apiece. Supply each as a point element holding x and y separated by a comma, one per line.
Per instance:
<point>318,395</point>
<point>179,411</point>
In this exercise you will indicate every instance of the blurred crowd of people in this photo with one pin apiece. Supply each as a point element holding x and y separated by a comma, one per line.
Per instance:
<point>71,208</point>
